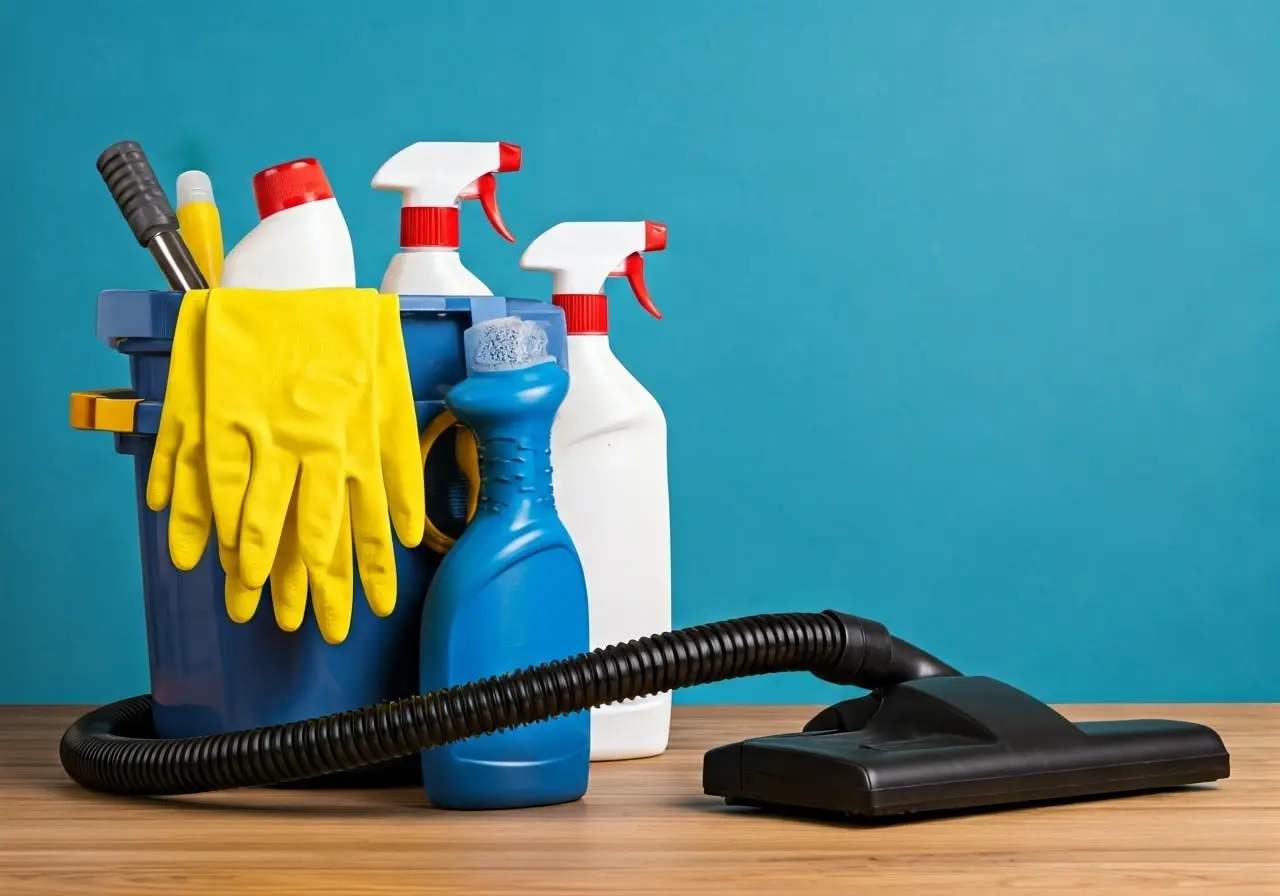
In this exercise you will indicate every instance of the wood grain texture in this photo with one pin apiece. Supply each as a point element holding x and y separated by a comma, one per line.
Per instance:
<point>644,827</point>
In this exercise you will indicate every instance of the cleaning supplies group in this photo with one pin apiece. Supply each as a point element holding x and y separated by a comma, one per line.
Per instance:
<point>298,467</point>
<point>289,420</point>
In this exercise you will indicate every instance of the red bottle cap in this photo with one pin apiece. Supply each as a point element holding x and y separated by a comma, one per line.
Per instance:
<point>289,184</point>
<point>426,226</point>
<point>585,314</point>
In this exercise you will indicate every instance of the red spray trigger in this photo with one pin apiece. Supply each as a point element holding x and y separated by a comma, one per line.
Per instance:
<point>633,270</point>
<point>486,190</point>
<point>655,240</point>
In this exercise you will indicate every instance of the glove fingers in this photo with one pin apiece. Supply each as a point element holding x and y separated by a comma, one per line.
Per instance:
<point>229,458</point>
<point>163,463</point>
<point>331,586</point>
<point>375,552</point>
<point>289,574</point>
<point>241,601</point>
<point>322,509</point>
<point>266,503</point>
<point>405,487</point>
<point>398,428</point>
<point>190,516</point>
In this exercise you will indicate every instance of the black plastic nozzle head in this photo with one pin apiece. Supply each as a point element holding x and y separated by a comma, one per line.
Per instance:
<point>133,185</point>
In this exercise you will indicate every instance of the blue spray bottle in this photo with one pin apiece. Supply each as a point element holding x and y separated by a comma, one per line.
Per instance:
<point>511,592</point>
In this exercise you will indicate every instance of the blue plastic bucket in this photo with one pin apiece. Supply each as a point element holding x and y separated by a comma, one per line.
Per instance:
<point>209,674</point>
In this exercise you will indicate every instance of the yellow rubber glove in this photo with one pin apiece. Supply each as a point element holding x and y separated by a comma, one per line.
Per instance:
<point>179,476</point>
<point>308,403</point>
<point>289,573</point>
<point>178,473</point>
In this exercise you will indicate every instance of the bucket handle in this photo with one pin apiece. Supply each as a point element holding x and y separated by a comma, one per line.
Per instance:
<point>104,410</point>
<point>466,456</point>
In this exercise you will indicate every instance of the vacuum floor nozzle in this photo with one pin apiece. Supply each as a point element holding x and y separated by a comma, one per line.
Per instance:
<point>956,743</point>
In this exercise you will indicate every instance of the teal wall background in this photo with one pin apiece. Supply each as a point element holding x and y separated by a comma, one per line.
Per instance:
<point>972,309</point>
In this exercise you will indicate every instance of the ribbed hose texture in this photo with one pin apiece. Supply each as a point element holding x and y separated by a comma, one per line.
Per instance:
<point>114,749</point>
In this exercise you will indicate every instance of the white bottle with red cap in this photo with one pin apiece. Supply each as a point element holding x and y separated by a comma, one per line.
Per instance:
<point>301,241</point>
<point>433,179</point>
<point>609,464</point>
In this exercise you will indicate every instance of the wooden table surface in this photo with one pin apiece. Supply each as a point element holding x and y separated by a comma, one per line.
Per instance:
<point>644,827</point>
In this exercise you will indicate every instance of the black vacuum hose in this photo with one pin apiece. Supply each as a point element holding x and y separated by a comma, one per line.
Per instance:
<point>114,749</point>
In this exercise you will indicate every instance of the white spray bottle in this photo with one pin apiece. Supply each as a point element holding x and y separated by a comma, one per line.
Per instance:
<point>609,464</point>
<point>433,179</point>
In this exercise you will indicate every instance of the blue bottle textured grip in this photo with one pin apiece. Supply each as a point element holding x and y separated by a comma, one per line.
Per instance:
<point>509,594</point>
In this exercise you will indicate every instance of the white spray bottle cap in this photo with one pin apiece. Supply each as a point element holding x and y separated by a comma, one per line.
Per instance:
<point>435,177</point>
<point>581,255</point>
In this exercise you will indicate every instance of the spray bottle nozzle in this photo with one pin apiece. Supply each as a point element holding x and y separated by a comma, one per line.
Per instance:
<point>583,254</point>
<point>655,240</point>
<point>435,177</point>
<point>486,190</point>
<point>633,270</point>
<point>655,236</point>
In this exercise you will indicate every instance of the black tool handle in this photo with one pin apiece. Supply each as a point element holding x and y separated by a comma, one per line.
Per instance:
<point>142,201</point>
<point>134,187</point>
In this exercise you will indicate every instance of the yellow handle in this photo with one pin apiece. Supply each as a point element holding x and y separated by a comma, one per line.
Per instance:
<point>105,410</point>
<point>201,227</point>
<point>468,459</point>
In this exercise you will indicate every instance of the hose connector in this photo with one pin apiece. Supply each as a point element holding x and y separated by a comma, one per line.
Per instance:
<point>872,658</point>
